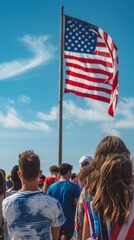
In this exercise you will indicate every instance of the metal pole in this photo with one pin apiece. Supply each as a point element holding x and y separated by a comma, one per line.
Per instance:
<point>60,87</point>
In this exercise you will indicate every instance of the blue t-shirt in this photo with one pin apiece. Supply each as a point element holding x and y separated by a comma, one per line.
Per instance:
<point>66,192</point>
<point>30,215</point>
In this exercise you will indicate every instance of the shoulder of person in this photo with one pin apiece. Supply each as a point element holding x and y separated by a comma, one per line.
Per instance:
<point>50,199</point>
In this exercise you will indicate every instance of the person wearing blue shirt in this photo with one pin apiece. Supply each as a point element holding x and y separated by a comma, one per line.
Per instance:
<point>67,193</point>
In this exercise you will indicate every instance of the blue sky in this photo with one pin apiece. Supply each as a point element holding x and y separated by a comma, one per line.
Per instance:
<point>29,81</point>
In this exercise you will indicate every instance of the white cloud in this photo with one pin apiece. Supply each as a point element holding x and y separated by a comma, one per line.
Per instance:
<point>13,121</point>
<point>42,51</point>
<point>53,115</point>
<point>92,111</point>
<point>125,117</point>
<point>24,99</point>
<point>95,111</point>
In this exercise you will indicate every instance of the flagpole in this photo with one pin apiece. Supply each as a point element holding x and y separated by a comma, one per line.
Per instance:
<point>60,87</point>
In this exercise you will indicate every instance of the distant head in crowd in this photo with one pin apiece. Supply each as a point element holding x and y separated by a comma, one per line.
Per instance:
<point>41,181</point>
<point>29,165</point>
<point>108,146</point>
<point>65,170</point>
<point>15,178</point>
<point>84,161</point>
<point>2,182</point>
<point>114,188</point>
<point>73,176</point>
<point>9,182</point>
<point>54,170</point>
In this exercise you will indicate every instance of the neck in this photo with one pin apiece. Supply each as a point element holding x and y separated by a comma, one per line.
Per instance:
<point>29,186</point>
<point>54,175</point>
<point>63,178</point>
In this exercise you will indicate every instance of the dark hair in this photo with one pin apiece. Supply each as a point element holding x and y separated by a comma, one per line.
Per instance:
<point>2,183</point>
<point>3,171</point>
<point>54,168</point>
<point>29,165</point>
<point>114,189</point>
<point>64,168</point>
<point>15,178</point>
<point>14,174</point>
<point>42,177</point>
<point>73,176</point>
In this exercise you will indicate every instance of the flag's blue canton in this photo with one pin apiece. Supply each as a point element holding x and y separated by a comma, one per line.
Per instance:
<point>80,36</point>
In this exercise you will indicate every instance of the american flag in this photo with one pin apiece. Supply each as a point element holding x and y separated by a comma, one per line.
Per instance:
<point>91,62</point>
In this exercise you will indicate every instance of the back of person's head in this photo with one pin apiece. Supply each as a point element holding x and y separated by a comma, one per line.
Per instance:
<point>114,189</point>
<point>73,176</point>
<point>54,169</point>
<point>2,182</point>
<point>14,176</point>
<point>8,176</point>
<point>64,168</point>
<point>108,146</point>
<point>41,181</point>
<point>4,173</point>
<point>42,177</point>
<point>29,165</point>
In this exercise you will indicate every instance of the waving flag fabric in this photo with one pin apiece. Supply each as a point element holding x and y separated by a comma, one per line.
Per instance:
<point>91,62</point>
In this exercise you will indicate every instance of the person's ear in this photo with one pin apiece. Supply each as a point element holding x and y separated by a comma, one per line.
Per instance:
<point>19,174</point>
<point>40,173</point>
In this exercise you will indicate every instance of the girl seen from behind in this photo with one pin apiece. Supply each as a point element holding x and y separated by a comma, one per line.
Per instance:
<point>108,146</point>
<point>110,212</point>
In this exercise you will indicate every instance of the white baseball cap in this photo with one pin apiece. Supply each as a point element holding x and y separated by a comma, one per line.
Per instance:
<point>85,160</point>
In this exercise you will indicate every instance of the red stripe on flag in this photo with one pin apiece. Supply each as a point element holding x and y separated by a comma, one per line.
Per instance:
<point>87,60</point>
<point>74,74</point>
<point>91,70</point>
<point>96,97</point>
<point>88,87</point>
<point>104,54</point>
<point>101,44</point>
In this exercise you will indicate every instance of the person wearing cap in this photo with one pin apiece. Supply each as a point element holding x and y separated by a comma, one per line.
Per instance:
<point>83,162</point>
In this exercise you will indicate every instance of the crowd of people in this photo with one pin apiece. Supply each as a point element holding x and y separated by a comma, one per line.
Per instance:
<point>96,204</point>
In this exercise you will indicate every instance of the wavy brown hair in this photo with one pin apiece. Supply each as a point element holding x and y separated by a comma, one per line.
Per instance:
<point>114,189</point>
<point>108,146</point>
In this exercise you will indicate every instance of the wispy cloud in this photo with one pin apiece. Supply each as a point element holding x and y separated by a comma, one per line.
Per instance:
<point>12,120</point>
<point>53,115</point>
<point>42,51</point>
<point>24,99</point>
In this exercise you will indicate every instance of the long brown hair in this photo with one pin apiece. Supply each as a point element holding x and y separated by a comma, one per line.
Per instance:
<point>114,189</point>
<point>108,146</point>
